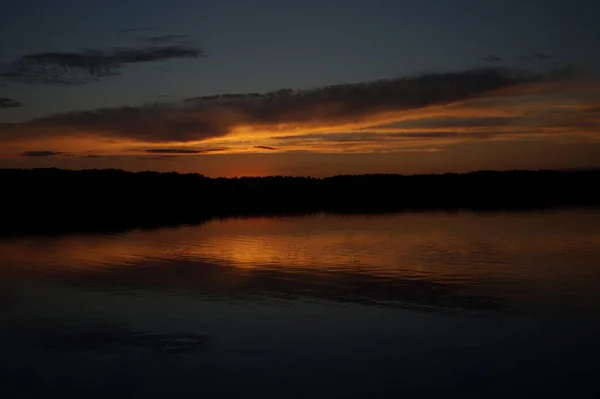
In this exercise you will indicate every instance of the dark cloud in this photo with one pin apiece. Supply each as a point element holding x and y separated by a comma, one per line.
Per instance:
<point>152,123</point>
<point>214,116</point>
<point>148,54</point>
<point>491,58</point>
<point>85,66</point>
<point>534,57</point>
<point>167,38</point>
<point>183,150</point>
<point>264,147</point>
<point>127,31</point>
<point>42,153</point>
<point>9,103</point>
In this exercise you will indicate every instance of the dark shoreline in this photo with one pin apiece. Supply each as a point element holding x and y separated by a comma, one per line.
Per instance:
<point>55,201</point>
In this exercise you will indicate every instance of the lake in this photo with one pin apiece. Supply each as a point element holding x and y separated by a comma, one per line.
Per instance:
<point>417,304</point>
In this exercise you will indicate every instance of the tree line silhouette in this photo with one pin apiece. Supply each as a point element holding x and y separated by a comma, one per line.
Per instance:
<point>55,200</point>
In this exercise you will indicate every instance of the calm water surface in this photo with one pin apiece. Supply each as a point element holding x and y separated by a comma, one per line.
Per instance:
<point>327,306</point>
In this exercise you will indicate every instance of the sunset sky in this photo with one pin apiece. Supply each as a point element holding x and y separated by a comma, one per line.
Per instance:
<point>311,87</point>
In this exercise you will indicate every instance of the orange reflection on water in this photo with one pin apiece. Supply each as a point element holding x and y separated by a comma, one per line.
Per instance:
<point>432,245</point>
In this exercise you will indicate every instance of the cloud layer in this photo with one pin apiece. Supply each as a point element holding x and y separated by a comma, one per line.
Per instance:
<point>416,113</point>
<point>216,116</point>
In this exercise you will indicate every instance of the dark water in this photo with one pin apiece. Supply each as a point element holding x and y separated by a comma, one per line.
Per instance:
<point>420,304</point>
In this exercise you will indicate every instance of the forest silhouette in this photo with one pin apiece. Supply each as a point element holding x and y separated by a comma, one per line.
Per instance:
<point>56,201</point>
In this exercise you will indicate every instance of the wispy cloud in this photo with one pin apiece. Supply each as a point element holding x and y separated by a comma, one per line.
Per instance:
<point>42,153</point>
<point>534,57</point>
<point>265,147</point>
<point>60,67</point>
<point>9,103</point>
<point>491,58</point>
<point>183,150</point>
<point>167,38</point>
<point>127,31</point>
<point>368,136</point>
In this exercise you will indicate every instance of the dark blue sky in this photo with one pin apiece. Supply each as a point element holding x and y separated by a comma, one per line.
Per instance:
<point>264,45</point>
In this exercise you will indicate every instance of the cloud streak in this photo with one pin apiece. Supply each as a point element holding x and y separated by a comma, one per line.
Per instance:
<point>534,57</point>
<point>127,31</point>
<point>9,103</point>
<point>89,65</point>
<point>167,38</point>
<point>183,150</point>
<point>491,58</point>
<point>42,153</point>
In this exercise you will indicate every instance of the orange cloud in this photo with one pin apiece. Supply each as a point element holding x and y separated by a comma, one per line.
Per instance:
<point>424,113</point>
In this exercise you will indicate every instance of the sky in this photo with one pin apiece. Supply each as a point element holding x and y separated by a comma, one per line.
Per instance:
<point>265,87</point>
